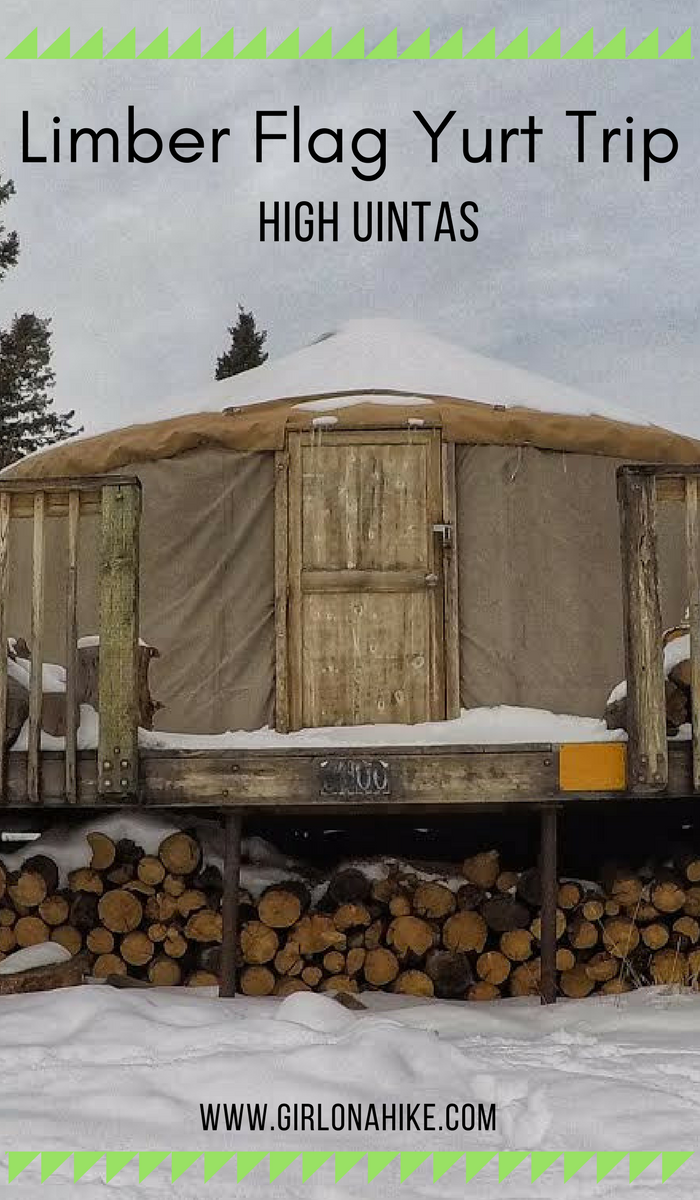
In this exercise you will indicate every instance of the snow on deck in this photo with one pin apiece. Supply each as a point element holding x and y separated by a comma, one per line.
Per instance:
<point>504,725</point>
<point>99,1069</point>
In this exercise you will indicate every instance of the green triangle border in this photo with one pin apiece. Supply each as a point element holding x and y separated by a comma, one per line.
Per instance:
<point>457,46</point>
<point>507,1161</point>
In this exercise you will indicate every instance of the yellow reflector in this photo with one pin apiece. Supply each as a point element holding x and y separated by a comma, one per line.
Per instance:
<point>593,767</point>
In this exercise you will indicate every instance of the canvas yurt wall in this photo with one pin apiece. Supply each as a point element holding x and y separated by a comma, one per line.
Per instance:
<point>207,587</point>
<point>539,579</point>
<point>539,582</point>
<point>540,609</point>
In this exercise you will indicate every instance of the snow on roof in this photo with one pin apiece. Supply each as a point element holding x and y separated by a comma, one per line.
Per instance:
<point>383,355</point>
<point>401,356</point>
<point>370,362</point>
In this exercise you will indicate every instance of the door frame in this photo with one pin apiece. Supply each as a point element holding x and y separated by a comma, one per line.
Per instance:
<point>444,681</point>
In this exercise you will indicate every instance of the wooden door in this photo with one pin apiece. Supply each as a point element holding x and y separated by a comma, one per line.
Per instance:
<point>365,623</point>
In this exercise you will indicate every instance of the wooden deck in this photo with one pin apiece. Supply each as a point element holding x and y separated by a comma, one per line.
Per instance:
<point>381,779</point>
<point>384,778</point>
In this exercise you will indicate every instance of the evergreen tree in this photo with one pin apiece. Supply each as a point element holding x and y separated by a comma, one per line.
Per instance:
<point>246,349</point>
<point>9,242</point>
<point>27,419</point>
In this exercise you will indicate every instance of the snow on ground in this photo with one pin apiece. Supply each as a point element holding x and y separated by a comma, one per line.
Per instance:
<point>100,1069</point>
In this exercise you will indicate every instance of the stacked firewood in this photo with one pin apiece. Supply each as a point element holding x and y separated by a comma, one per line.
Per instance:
<point>390,927</point>
<point>479,940</point>
<point>153,916</point>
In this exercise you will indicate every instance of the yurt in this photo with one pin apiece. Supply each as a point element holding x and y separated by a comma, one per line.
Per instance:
<point>379,528</point>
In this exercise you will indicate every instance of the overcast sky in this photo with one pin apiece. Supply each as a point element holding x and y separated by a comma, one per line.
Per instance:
<point>584,273</point>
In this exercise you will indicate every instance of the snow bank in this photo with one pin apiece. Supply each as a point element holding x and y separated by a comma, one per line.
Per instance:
<point>94,1068</point>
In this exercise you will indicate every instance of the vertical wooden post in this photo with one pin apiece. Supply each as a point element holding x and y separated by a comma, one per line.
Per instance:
<point>692,512</point>
<point>451,582</point>
<point>36,682</point>
<point>119,632</point>
<point>229,903</point>
<point>646,701</point>
<point>281,590</point>
<point>548,913</point>
<point>5,502</point>
<point>72,649</point>
<point>436,562</point>
<point>295,695</point>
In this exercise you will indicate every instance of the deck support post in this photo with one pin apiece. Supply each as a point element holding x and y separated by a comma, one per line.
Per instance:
<point>548,913</point>
<point>646,698</point>
<point>229,903</point>
<point>692,518</point>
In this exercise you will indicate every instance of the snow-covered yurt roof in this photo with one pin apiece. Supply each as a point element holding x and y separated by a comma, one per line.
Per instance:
<point>374,374</point>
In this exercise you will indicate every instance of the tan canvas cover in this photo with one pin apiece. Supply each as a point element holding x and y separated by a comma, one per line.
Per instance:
<point>263,427</point>
<point>539,578</point>
<point>207,587</point>
<point>540,601</point>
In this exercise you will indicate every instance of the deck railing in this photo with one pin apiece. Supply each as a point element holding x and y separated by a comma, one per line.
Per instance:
<point>116,500</point>
<point>640,490</point>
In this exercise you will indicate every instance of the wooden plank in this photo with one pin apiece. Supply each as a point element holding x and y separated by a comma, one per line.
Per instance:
<point>230,903</point>
<point>72,649</point>
<point>416,780</point>
<point>366,658</point>
<point>4,580</point>
<point>423,778</point>
<point>65,484</point>
<point>671,488</point>
<point>436,595</point>
<point>368,437</point>
<point>295,665</point>
<point>37,668</point>
<point>119,614</point>
<point>692,513</point>
<point>281,591</point>
<point>658,470</point>
<point>364,506</point>
<point>363,581</point>
<point>57,504</point>
<point>648,749</point>
<point>450,571</point>
<point>670,480</point>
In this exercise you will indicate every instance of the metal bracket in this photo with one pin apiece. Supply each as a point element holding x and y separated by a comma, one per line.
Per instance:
<point>443,530</point>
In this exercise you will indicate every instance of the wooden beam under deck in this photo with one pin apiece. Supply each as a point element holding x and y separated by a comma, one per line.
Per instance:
<point>380,779</point>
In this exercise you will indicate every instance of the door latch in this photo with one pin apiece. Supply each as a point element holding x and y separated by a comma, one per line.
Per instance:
<point>444,532</point>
